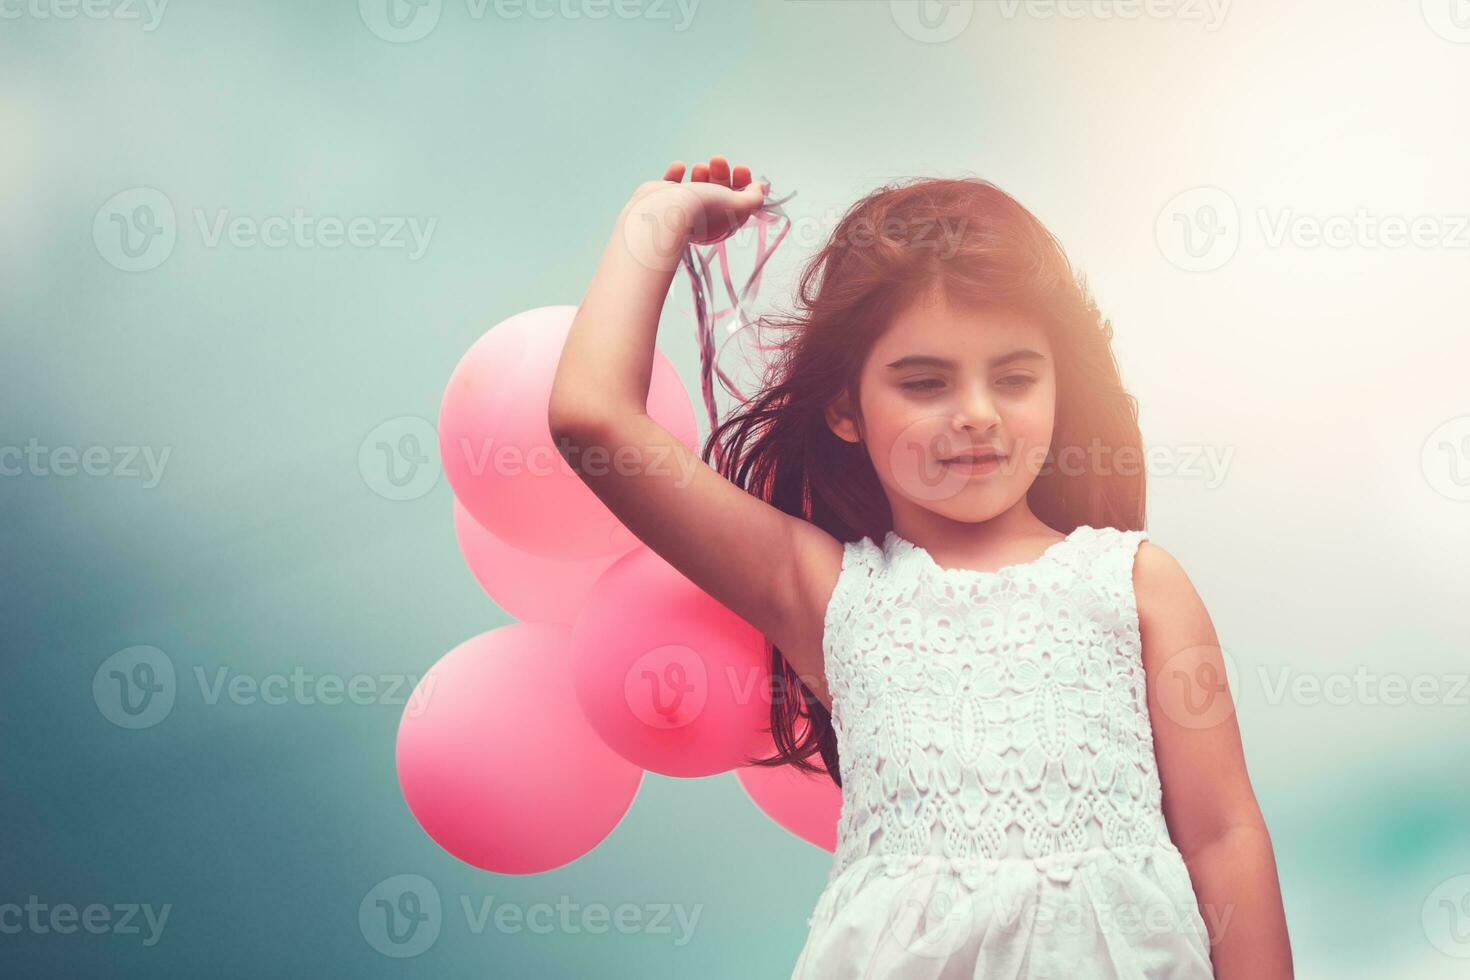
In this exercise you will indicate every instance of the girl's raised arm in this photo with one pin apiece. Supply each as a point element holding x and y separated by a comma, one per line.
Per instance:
<point>773,570</point>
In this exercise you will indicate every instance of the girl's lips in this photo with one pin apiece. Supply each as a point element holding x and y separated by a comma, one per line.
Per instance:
<point>987,464</point>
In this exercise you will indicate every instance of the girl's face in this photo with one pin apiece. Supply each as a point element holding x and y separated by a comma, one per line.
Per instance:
<point>941,383</point>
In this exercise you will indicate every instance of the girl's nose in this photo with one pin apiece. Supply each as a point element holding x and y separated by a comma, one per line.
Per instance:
<point>976,411</point>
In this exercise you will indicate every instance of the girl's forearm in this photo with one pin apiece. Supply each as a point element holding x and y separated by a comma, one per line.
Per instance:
<point>1239,897</point>
<point>607,361</point>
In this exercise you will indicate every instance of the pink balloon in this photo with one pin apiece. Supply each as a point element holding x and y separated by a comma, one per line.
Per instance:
<point>497,762</point>
<point>670,678</point>
<point>531,588</point>
<point>807,805</point>
<point>497,449</point>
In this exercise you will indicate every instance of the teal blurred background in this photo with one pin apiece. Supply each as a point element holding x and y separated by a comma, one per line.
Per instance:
<point>1165,150</point>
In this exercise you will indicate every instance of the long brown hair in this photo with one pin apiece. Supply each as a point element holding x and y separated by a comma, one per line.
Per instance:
<point>970,239</point>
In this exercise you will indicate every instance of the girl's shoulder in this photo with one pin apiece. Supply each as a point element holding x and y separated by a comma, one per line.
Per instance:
<point>1168,604</point>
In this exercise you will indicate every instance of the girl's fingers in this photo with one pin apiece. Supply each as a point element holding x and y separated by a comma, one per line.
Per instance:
<point>716,171</point>
<point>719,170</point>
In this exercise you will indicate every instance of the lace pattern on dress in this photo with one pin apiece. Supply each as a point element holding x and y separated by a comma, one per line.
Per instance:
<point>990,715</point>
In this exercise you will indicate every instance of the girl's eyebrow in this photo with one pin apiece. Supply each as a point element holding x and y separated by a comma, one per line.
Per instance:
<point>930,360</point>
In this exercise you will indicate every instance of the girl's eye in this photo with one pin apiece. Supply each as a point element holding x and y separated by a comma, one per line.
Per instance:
<point>1014,382</point>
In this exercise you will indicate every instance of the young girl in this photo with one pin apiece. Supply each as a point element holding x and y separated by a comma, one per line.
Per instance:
<point>933,511</point>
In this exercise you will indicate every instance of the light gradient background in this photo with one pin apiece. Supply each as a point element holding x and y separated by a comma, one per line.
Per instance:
<point>1333,376</point>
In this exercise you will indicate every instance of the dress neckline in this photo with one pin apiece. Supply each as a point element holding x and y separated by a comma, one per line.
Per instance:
<point>892,540</point>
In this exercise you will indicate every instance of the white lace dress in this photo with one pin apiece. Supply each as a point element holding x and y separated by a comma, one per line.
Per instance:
<point>1001,812</point>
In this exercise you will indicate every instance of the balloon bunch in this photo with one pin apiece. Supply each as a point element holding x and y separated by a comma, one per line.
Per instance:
<point>524,747</point>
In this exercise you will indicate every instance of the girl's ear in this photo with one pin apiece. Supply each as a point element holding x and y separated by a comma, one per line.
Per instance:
<point>843,419</point>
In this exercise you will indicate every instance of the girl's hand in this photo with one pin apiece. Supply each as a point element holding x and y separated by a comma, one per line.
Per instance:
<point>711,207</point>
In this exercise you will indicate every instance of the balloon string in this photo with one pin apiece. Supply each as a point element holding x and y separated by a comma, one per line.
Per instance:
<point>702,284</point>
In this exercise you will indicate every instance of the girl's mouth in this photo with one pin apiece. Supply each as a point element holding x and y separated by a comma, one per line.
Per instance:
<point>977,464</point>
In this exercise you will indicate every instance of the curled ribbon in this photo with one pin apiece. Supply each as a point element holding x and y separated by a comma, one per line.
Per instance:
<point>706,317</point>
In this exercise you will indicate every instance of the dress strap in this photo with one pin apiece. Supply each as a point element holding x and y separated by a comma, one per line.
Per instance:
<point>1127,547</point>
<point>1110,550</point>
<point>1116,570</point>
